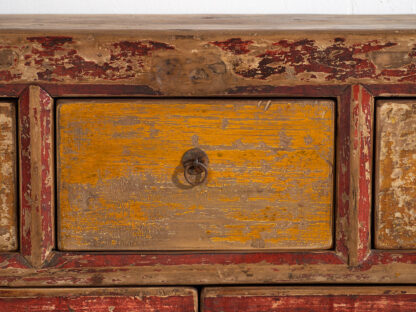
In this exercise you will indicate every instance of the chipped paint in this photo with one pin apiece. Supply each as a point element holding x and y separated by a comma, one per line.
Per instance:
<point>102,300</point>
<point>396,177</point>
<point>130,192</point>
<point>360,191</point>
<point>311,299</point>
<point>210,62</point>
<point>36,174</point>
<point>8,198</point>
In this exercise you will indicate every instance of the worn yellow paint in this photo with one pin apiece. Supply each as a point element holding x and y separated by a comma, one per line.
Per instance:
<point>8,207</point>
<point>395,210</point>
<point>121,185</point>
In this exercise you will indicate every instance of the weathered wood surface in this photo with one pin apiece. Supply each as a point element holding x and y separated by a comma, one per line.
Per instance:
<point>359,228</point>
<point>207,22</point>
<point>99,299</point>
<point>192,268</point>
<point>310,299</point>
<point>36,110</point>
<point>183,63</point>
<point>395,208</point>
<point>8,181</point>
<point>121,184</point>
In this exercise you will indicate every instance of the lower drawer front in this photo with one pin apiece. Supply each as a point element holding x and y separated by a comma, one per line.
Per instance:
<point>310,299</point>
<point>96,299</point>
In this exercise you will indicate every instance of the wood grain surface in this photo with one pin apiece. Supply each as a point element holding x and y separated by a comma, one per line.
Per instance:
<point>99,299</point>
<point>8,181</point>
<point>395,208</point>
<point>309,299</point>
<point>309,22</point>
<point>121,185</point>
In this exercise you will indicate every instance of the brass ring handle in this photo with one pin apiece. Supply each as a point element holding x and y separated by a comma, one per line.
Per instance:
<point>195,163</point>
<point>196,168</point>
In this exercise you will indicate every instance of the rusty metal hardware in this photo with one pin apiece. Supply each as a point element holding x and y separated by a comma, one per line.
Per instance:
<point>195,164</point>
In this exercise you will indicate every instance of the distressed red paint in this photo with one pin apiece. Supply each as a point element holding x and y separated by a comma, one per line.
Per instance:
<point>362,116</point>
<point>73,260</point>
<point>407,74</point>
<point>49,42</point>
<point>234,45</point>
<point>35,111</point>
<point>12,261</point>
<point>338,61</point>
<point>317,303</point>
<point>25,174</point>
<point>343,173</point>
<point>68,63</point>
<point>7,75</point>
<point>47,196</point>
<point>104,303</point>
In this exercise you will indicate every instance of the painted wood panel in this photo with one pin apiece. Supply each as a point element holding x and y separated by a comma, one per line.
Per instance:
<point>395,194</point>
<point>207,62</point>
<point>121,184</point>
<point>99,299</point>
<point>8,187</point>
<point>309,299</point>
<point>37,190</point>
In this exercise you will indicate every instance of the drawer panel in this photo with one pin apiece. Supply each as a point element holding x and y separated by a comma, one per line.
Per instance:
<point>99,299</point>
<point>8,222</point>
<point>310,299</point>
<point>121,183</point>
<point>395,183</point>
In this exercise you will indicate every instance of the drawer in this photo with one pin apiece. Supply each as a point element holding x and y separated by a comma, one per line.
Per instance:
<point>268,167</point>
<point>99,299</point>
<point>310,299</point>
<point>395,179</point>
<point>8,215</point>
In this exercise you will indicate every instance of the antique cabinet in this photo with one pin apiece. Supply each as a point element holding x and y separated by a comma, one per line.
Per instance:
<point>213,163</point>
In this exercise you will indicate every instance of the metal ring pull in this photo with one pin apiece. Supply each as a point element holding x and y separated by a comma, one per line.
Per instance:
<point>195,163</point>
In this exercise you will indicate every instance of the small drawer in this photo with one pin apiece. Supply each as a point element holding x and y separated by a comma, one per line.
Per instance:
<point>121,167</point>
<point>99,299</point>
<point>8,187</point>
<point>395,178</point>
<point>310,299</point>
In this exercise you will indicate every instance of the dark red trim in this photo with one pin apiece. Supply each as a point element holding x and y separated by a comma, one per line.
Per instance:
<point>47,172</point>
<point>392,89</point>
<point>363,146</point>
<point>25,174</point>
<point>310,303</point>
<point>112,90</point>
<point>36,208</point>
<point>97,260</point>
<point>282,91</point>
<point>342,174</point>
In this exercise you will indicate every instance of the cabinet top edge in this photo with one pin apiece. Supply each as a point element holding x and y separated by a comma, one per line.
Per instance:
<point>208,22</point>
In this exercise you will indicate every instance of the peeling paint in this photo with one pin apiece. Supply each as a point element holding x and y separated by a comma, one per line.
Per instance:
<point>8,198</point>
<point>396,194</point>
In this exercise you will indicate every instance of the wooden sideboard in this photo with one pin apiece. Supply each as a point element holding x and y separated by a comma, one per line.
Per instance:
<point>213,163</point>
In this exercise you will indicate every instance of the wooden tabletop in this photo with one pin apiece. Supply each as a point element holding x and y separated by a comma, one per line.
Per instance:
<point>208,22</point>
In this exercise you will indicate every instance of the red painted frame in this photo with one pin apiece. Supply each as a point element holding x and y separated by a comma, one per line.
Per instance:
<point>351,260</point>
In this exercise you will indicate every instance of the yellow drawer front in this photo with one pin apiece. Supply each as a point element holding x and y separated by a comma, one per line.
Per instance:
<point>121,182</point>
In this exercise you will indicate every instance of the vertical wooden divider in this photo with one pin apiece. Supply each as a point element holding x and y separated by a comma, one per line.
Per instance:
<point>36,174</point>
<point>342,173</point>
<point>361,163</point>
